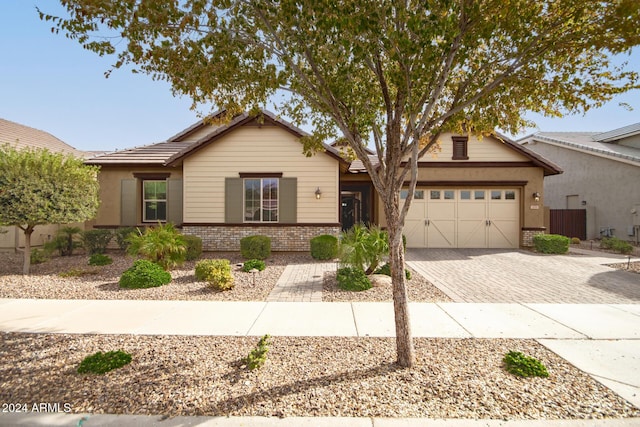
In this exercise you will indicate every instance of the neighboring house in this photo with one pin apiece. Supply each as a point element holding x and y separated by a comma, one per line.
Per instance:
<point>249,176</point>
<point>20,137</point>
<point>601,175</point>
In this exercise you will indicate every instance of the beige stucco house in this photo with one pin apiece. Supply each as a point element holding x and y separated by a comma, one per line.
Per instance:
<point>250,176</point>
<point>20,136</point>
<point>601,175</point>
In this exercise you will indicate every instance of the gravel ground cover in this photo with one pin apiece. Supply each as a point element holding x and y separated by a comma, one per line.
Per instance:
<point>102,282</point>
<point>418,289</point>
<point>455,378</point>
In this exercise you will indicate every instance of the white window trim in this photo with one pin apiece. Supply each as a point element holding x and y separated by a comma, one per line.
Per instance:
<point>144,201</point>
<point>244,201</point>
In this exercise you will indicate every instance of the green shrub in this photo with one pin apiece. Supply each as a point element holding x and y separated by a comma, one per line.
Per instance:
<point>100,259</point>
<point>253,263</point>
<point>364,248</point>
<point>258,356</point>
<point>616,244</point>
<point>324,247</point>
<point>162,244</point>
<point>99,363</point>
<point>386,270</point>
<point>144,274</point>
<point>194,247</point>
<point>575,241</point>
<point>96,241</point>
<point>551,243</point>
<point>65,241</point>
<point>524,366</point>
<point>122,234</point>
<point>353,279</point>
<point>255,247</point>
<point>216,272</point>
<point>38,256</point>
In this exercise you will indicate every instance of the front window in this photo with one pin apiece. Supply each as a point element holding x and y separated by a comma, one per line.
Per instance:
<point>154,200</point>
<point>261,200</point>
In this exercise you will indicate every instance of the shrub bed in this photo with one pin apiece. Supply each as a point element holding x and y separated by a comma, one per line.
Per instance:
<point>253,263</point>
<point>216,272</point>
<point>352,279</point>
<point>551,243</point>
<point>144,274</point>
<point>255,247</point>
<point>324,246</point>
<point>100,259</point>
<point>194,247</point>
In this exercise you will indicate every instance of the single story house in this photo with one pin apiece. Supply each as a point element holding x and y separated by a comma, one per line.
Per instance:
<point>249,176</point>
<point>20,137</point>
<point>601,176</point>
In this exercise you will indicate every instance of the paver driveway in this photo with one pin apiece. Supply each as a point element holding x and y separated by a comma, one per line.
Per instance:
<point>492,275</point>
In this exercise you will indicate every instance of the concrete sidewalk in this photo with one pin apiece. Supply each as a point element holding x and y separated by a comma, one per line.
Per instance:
<point>580,333</point>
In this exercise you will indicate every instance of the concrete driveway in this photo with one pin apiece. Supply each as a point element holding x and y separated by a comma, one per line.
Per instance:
<point>508,276</point>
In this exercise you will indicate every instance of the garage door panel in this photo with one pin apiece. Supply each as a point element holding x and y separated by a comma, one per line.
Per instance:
<point>465,218</point>
<point>441,233</point>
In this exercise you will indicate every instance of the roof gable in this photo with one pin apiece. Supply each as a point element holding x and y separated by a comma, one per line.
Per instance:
<point>264,118</point>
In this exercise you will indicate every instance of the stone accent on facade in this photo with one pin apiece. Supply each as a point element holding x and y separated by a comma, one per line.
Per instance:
<point>529,233</point>
<point>293,238</point>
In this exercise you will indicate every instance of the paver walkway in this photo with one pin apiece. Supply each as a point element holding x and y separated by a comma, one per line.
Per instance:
<point>514,276</point>
<point>301,283</point>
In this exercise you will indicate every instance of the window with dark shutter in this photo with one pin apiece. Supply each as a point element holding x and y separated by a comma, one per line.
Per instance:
<point>460,148</point>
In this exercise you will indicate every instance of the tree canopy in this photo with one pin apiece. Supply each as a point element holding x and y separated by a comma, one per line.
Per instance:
<point>393,74</point>
<point>39,187</point>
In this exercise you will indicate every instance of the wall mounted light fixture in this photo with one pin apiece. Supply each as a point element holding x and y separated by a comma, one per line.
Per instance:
<point>536,196</point>
<point>318,193</point>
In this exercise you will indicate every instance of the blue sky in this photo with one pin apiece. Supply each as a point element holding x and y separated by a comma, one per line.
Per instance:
<point>50,83</point>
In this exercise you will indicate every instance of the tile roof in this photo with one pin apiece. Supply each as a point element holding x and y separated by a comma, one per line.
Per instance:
<point>21,136</point>
<point>152,154</point>
<point>589,141</point>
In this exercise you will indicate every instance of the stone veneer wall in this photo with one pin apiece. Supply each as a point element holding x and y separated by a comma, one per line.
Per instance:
<point>527,236</point>
<point>283,238</point>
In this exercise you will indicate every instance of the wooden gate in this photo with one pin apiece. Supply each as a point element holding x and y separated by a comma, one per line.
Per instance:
<point>569,222</point>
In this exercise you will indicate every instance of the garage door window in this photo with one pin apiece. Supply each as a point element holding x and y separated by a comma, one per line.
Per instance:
<point>465,195</point>
<point>478,195</point>
<point>510,195</point>
<point>496,195</point>
<point>419,194</point>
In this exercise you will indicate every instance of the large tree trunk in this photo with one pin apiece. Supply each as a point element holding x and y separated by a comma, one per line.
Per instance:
<point>404,341</point>
<point>26,266</point>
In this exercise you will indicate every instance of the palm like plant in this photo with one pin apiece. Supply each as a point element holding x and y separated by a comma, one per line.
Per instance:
<point>364,248</point>
<point>162,245</point>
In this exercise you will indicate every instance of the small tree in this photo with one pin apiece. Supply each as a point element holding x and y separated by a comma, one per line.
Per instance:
<point>39,187</point>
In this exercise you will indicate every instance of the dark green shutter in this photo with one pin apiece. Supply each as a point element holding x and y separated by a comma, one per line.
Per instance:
<point>174,201</point>
<point>128,202</point>
<point>233,200</point>
<point>288,202</point>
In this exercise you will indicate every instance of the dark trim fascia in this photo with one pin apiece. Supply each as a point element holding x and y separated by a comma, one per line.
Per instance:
<point>470,183</point>
<point>260,174</point>
<point>533,228</point>
<point>465,164</point>
<point>257,224</point>
<point>151,175</point>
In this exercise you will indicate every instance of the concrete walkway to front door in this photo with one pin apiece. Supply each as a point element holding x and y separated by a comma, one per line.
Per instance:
<point>518,276</point>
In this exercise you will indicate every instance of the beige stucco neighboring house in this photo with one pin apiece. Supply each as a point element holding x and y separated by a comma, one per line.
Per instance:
<point>20,136</point>
<point>249,176</point>
<point>601,175</point>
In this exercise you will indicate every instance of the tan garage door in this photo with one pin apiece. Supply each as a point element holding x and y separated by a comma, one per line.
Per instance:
<point>463,218</point>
